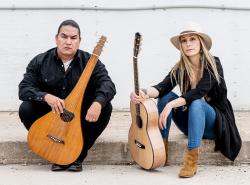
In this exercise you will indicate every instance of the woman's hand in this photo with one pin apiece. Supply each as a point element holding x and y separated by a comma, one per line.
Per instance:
<point>137,99</point>
<point>164,115</point>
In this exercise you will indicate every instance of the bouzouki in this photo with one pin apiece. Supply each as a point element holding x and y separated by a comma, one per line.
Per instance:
<point>58,138</point>
<point>144,139</point>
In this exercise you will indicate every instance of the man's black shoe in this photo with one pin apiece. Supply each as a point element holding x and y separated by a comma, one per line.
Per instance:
<point>57,167</point>
<point>75,166</point>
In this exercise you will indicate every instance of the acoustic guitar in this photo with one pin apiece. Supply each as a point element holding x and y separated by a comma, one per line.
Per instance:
<point>58,138</point>
<point>144,139</point>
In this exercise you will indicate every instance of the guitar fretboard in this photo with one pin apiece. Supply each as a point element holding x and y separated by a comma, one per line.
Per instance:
<point>136,83</point>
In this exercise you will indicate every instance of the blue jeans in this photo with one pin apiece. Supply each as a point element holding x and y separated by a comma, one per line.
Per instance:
<point>196,122</point>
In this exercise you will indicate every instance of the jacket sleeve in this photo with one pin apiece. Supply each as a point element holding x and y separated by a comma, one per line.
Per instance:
<point>166,85</point>
<point>204,85</point>
<point>29,86</point>
<point>105,88</point>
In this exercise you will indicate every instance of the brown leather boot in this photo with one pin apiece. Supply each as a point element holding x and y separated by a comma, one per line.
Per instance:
<point>166,148</point>
<point>190,163</point>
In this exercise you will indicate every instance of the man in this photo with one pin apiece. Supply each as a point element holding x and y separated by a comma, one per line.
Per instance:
<point>51,76</point>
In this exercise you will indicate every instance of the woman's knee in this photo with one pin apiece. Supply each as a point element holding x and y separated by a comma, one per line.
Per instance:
<point>162,101</point>
<point>196,105</point>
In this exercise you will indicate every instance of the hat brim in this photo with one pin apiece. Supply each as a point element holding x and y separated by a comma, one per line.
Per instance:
<point>207,40</point>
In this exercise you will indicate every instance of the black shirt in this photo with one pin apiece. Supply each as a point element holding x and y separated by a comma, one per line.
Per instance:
<point>46,74</point>
<point>228,140</point>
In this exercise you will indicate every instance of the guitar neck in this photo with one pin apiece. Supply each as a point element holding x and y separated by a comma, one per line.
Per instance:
<point>77,93</point>
<point>137,44</point>
<point>76,96</point>
<point>136,82</point>
<point>136,78</point>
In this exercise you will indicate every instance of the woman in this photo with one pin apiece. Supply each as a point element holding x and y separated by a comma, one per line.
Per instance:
<point>202,110</point>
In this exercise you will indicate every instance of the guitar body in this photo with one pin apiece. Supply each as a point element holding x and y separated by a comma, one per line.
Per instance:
<point>68,132</point>
<point>145,143</point>
<point>58,138</point>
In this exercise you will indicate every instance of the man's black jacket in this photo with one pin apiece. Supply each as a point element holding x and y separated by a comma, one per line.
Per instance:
<point>46,74</point>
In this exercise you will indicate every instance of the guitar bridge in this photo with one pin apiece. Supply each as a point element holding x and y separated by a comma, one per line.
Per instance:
<point>55,139</point>
<point>139,145</point>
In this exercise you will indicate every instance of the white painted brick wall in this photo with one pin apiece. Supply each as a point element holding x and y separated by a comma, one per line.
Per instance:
<point>25,33</point>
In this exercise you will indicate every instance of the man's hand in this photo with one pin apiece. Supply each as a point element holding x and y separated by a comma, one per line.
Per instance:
<point>93,112</point>
<point>57,105</point>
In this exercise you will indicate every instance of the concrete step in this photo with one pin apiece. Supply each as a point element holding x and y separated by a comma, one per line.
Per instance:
<point>111,147</point>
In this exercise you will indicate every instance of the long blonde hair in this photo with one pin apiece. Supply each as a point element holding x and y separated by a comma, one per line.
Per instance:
<point>185,70</point>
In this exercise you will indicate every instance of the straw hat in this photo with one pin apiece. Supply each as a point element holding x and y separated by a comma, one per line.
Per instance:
<point>195,28</point>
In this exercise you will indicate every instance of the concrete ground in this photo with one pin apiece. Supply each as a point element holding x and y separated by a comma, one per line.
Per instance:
<point>122,175</point>
<point>19,166</point>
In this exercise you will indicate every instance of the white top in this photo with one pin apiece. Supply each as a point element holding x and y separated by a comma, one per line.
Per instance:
<point>66,64</point>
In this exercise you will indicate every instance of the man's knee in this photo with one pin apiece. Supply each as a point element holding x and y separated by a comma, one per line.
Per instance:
<point>106,112</point>
<point>108,108</point>
<point>25,110</point>
<point>29,112</point>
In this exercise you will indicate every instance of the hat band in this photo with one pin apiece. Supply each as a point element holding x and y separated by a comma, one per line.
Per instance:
<point>188,31</point>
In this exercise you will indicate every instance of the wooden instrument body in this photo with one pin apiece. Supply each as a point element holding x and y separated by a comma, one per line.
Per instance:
<point>60,140</point>
<point>145,143</point>
<point>70,133</point>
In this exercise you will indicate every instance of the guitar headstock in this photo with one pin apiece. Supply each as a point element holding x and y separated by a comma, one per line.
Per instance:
<point>137,44</point>
<point>98,49</point>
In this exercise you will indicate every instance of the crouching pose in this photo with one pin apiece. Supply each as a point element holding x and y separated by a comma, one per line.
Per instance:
<point>202,110</point>
<point>51,76</point>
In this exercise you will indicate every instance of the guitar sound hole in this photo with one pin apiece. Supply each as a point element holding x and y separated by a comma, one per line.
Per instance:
<point>67,116</point>
<point>138,121</point>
